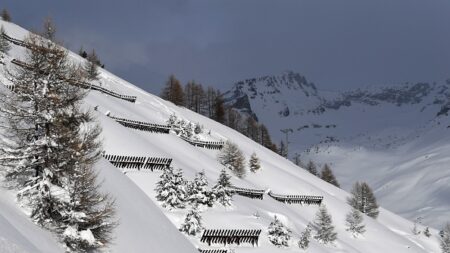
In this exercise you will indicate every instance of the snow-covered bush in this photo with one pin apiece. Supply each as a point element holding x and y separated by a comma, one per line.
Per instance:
<point>278,233</point>
<point>171,189</point>
<point>221,190</point>
<point>324,226</point>
<point>445,240</point>
<point>231,157</point>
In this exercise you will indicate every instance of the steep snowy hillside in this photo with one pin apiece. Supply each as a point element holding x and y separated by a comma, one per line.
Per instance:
<point>142,227</point>
<point>387,123</point>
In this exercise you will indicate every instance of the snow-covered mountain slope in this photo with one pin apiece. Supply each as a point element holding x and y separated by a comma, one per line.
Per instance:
<point>143,229</point>
<point>364,134</point>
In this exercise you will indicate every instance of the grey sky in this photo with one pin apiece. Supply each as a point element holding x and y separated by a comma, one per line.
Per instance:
<point>335,43</point>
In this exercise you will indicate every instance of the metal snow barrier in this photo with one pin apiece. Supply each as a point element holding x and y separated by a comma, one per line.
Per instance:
<point>297,199</point>
<point>143,126</point>
<point>138,162</point>
<point>250,193</point>
<point>216,145</point>
<point>213,250</point>
<point>15,41</point>
<point>231,236</point>
<point>84,85</point>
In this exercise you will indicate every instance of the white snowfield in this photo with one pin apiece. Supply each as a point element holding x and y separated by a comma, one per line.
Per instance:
<point>147,227</point>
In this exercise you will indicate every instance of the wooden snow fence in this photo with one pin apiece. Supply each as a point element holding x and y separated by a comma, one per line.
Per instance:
<point>231,236</point>
<point>297,199</point>
<point>138,162</point>
<point>249,193</point>
<point>213,250</point>
<point>84,85</point>
<point>143,126</point>
<point>216,145</point>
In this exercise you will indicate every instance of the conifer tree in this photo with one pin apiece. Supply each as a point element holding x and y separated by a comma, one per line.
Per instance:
<point>426,232</point>
<point>4,44</point>
<point>354,222</point>
<point>254,163</point>
<point>328,176</point>
<point>279,235</point>
<point>173,91</point>
<point>52,148</point>
<point>324,226</point>
<point>91,66</point>
<point>221,190</point>
<point>198,192</point>
<point>231,157</point>
<point>192,224</point>
<point>219,109</point>
<point>283,150</point>
<point>171,189</point>
<point>49,29</point>
<point>363,199</point>
<point>5,15</point>
<point>312,168</point>
<point>445,239</point>
<point>305,238</point>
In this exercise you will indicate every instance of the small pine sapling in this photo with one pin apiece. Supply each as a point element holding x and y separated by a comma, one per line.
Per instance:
<point>279,235</point>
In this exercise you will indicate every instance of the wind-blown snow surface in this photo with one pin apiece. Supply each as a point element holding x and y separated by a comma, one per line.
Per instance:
<point>395,138</point>
<point>144,229</point>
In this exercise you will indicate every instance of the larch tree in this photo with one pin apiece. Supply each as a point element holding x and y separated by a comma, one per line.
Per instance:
<point>363,199</point>
<point>312,168</point>
<point>52,149</point>
<point>5,15</point>
<point>173,91</point>
<point>91,66</point>
<point>254,163</point>
<point>324,226</point>
<point>232,158</point>
<point>328,176</point>
<point>221,190</point>
<point>354,221</point>
<point>219,109</point>
<point>49,29</point>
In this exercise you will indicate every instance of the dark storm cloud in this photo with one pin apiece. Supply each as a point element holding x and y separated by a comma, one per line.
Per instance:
<point>335,43</point>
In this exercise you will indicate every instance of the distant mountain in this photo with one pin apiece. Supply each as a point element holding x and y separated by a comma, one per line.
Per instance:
<point>335,127</point>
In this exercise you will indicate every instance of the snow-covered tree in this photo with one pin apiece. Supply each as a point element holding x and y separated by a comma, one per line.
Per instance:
<point>324,226</point>
<point>312,168</point>
<point>198,192</point>
<point>52,147</point>
<point>254,163</point>
<point>4,44</point>
<point>198,129</point>
<point>427,232</point>
<point>305,238</point>
<point>445,239</point>
<point>192,224</point>
<point>221,190</point>
<point>328,176</point>
<point>231,157</point>
<point>363,199</point>
<point>354,222</point>
<point>171,189</point>
<point>278,233</point>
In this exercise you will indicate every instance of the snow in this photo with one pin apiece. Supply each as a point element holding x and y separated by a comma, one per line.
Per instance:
<point>145,226</point>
